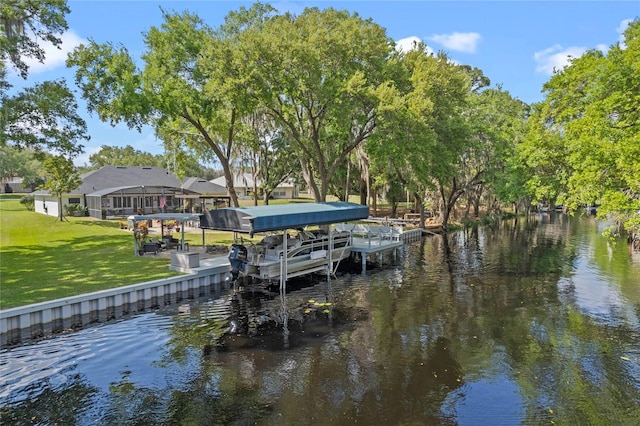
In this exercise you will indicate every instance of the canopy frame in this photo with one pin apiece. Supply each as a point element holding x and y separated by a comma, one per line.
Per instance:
<point>181,218</point>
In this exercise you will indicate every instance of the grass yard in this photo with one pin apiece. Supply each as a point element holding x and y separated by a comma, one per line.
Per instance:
<point>43,259</point>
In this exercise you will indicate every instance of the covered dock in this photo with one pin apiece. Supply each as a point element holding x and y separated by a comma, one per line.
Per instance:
<point>366,240</point>
<point>282,218</point>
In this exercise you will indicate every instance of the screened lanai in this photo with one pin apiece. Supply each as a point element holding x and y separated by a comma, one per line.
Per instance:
<point>124,201</point>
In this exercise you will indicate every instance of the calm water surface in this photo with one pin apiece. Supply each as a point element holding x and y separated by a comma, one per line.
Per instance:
<point>534,322</point>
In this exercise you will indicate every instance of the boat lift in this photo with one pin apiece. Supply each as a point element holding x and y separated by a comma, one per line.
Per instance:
<point>281,218</point>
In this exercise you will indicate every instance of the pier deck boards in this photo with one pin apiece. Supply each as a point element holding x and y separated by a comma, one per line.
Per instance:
<point>367,246</point>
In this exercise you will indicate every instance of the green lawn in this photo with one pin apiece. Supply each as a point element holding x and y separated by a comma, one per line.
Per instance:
<point>42,258</point>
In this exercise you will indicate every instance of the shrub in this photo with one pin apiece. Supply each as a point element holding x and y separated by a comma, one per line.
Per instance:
<point>27,201</point>
<point>75,210</point>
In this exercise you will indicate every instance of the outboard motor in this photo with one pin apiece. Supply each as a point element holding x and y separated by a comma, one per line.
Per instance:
<point>238,259</point>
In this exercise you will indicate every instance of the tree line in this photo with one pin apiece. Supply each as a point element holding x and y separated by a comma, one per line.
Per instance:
<point>325,97</point>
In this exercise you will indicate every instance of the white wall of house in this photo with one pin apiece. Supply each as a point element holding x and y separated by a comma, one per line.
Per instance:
<point>15,184</point>
<point>282,192</point>
<point>46,204</point>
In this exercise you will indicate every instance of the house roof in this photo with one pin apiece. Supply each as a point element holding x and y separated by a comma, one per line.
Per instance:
<point>281,216</point>
<point>106,191</point>
<point>138,189</point>
<point>240,180</point>
<point>121,176</point>
<point>109,179</point>
<point>204,187</point>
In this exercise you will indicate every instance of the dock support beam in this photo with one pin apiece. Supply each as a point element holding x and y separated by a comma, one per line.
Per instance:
<point>284,258</point>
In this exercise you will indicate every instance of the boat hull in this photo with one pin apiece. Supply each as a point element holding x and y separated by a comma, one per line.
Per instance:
<point>307,253</point>
<point>299,265</point>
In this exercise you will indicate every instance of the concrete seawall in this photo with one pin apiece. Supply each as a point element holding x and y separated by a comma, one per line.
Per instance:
<point>47,318</point>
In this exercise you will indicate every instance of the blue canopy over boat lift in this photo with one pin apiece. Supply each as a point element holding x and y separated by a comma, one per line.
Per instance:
<point>284,217</point>
<point>251,220</point>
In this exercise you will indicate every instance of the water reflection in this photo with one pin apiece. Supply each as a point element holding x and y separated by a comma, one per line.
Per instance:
<point>533,321</point>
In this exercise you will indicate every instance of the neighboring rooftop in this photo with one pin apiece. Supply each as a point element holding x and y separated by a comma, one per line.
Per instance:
<point>204,187</point>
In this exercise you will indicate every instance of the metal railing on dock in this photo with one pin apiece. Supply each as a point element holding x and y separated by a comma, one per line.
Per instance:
<point>375,240</point>
<point>381,232</point>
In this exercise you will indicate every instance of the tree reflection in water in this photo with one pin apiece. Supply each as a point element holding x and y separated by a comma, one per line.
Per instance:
<point>64,403</point>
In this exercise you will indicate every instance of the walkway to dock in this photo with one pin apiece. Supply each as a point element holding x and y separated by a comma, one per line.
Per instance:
<point>372,240</point>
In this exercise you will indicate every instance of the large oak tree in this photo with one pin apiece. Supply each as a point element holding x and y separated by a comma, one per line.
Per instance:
<point>190,89</point>
<point>320,74</point>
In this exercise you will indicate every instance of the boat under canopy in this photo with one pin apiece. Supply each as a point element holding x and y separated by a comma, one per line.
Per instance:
<point>257,219</point>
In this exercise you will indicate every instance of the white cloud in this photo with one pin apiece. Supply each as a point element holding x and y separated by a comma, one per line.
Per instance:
<point>459,42</point>
<point>408,44</point>
<point>621,29</point>
<point>556,58</point>
<point>54,57</point>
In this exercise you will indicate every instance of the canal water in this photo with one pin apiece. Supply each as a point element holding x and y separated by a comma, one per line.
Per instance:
<point>529,322</point>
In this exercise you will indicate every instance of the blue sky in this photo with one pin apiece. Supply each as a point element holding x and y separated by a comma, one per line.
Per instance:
<point>516,44</point>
